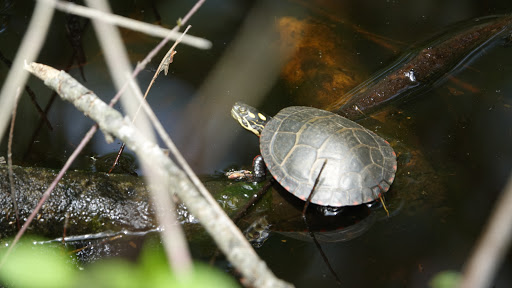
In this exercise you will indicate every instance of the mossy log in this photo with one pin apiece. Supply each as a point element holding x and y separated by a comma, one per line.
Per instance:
<point>91,202</point>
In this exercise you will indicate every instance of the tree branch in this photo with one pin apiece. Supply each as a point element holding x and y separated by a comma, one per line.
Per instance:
<point>233,244</point>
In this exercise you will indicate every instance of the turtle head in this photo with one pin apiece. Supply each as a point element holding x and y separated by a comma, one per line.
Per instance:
<point>249,117</point>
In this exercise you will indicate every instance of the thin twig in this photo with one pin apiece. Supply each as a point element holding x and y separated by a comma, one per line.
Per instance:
<point>164,65</point>
<point>31,94</point>
<point>146,28</point>
<point>172,235</point>
<point>118,63</point>
<point>311,233</point>
<point>48,191</point>
<point>28,50</point>
<point>308,200</point>
<point>46,110</point>
<point>322,254</point>
<point>9,159</point>
<point>252,202</point>
<point>168,58</point>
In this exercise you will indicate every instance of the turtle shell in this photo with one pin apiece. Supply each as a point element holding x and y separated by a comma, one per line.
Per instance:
<point>359,165</point>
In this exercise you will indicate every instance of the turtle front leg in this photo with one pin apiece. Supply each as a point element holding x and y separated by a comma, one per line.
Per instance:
<point>257,174</point>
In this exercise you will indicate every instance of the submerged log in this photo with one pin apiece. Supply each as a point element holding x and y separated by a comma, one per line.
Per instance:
<point>421,69</point>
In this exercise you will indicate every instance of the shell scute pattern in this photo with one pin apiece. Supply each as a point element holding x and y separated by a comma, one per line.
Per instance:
<point>298,140</point>
<point>285,143</point>
<point>300,156</point>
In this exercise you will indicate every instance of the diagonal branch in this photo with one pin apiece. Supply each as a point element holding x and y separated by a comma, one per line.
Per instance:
<point>146,28</point>
<point>233,244</point>
<point>492,247</point>
<point>119,66</point>
<point>28,51</point>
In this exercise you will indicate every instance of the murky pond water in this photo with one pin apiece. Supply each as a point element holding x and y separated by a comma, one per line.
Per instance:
<point>460,131</point>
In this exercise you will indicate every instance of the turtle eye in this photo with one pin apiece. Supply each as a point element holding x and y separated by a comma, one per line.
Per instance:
<point>242,109</point>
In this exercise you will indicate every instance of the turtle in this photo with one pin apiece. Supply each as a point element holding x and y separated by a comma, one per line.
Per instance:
<point>310,150</point>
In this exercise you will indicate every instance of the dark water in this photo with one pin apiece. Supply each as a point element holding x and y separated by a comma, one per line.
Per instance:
<point>463,133</point>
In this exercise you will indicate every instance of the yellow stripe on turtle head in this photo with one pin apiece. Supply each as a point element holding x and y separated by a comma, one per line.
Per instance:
<point>249,125</point>
<point>249,117</point>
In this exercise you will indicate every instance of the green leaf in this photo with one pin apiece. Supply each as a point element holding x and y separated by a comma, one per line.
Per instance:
<point>445,279</point>
<point>32,265</point>
<point>211,277</point>
<point>157,272</point>
<point>112,273</point>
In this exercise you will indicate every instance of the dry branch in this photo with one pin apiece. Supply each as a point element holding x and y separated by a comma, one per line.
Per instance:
<point>118,63</point>
<point>238,251</point>
<point>146,28</point>
<point>29,49</point>
<point>492,247</point>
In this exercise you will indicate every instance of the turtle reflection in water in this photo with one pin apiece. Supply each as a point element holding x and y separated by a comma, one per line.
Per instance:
<point>295,144</point>
<point>286,220</point>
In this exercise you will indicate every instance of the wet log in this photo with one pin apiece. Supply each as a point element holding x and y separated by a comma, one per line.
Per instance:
<point>88,202</point>
<point>424,67</point>
<point>94,202</point>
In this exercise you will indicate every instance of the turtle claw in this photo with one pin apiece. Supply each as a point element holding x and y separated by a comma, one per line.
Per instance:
<point>239,175</point>
<point>256,175</point>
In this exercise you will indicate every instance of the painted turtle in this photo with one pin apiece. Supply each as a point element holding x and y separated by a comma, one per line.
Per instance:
<point>298,141</point>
